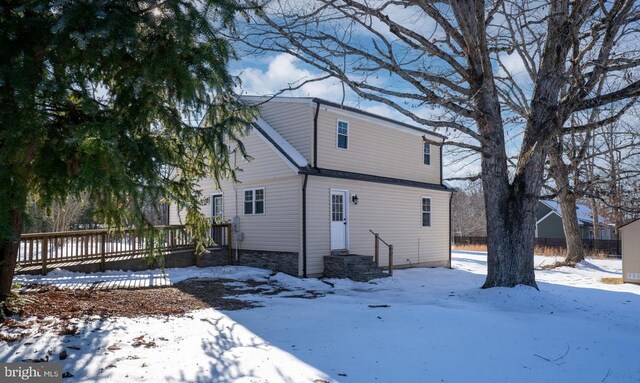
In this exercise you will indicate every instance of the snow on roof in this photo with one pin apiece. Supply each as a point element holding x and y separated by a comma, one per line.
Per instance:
<point>585,215</point>
<point>281,144</point>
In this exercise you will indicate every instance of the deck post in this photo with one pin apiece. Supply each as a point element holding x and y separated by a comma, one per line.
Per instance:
<point>43,253</point>
<point>377,250</point>
<point>391,260</point>
<point>103,246</point>
<point>229,249</point>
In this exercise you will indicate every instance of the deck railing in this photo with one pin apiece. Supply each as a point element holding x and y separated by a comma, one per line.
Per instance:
<point>376,251</point>
<point>86,245</point>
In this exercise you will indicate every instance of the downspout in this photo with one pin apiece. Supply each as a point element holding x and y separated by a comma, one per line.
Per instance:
<point>441,147</point>
<point>304,226</point>
<point>315,136</point>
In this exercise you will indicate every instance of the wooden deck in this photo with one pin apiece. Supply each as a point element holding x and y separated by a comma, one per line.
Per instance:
<point>46,251</point>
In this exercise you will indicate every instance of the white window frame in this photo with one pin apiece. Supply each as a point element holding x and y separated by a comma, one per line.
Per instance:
<point>213,207</point>
<point>338,134</point>
<point>253,201</point>
<point>422,212</point>
<point>426,145</point>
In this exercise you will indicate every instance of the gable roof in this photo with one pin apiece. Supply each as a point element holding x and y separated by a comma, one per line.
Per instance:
<point>584,213</point>
<point>280,145</point>
<point>319,101</point>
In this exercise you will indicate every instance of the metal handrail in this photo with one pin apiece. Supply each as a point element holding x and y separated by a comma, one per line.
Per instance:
<point>377,251</point>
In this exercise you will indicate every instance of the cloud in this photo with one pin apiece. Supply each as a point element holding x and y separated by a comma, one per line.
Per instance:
<point>513,64</point>
<point>285,71</point>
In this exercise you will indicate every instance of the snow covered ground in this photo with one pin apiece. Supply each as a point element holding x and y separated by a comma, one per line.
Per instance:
<point>438,327</point>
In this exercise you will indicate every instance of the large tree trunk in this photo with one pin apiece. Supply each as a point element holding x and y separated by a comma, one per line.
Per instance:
<point>510,207</point>
<point>559,171</point>
<point>511,217</point>
<point>9,254</point>
<point>572,233</point>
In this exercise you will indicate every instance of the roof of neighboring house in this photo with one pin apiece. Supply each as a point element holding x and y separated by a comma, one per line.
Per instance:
<point>350,109</point>
<point>585,215</point>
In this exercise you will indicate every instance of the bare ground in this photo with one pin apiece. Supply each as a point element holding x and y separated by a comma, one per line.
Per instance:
<point>192,294</point>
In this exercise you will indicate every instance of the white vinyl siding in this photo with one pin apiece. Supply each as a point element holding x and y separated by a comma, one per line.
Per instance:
<point>390,210</point>
<point>293,121</point>
<point>375,148</point>
<point>278,229</point>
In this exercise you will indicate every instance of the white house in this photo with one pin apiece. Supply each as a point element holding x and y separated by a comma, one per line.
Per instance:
<point>322,177</point>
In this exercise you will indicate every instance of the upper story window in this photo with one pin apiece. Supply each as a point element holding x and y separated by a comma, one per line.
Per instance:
<point>254,201</point>
<point>426,153</point>
<point>426,211</point>
<point>342,138</point>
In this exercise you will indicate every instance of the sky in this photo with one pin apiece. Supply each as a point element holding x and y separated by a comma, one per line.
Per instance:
<point>268,73</point>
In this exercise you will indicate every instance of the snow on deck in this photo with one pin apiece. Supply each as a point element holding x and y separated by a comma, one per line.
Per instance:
<point>439,327</point>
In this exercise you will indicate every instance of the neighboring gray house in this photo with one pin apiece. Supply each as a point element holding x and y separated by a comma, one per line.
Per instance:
<point>549,223</point>
<point>322,176</point>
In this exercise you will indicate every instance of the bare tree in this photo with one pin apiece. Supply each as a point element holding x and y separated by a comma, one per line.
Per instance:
<point>467,211</point>
<point>613,173</point>
<point>63,214</point>
<point>444,53</point>
<point>570,169</point>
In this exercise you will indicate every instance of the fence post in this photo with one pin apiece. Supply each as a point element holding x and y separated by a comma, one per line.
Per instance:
<point>43,252</point>
<point>391,260</point>
<point>377,249</point>
<point>103,245</point>
<point>229,239</point>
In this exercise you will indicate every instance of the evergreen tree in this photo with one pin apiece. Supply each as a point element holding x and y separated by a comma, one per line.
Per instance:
<point>106,98</point>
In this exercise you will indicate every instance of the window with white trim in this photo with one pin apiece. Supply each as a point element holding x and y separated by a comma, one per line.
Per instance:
<point>217,206</point>
<point>254,201</point>
<point>426,153</point>
<point>342,137</point>
<point>426,212</point>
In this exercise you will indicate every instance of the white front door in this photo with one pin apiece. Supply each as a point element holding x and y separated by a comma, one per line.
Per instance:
<point>338,220</point>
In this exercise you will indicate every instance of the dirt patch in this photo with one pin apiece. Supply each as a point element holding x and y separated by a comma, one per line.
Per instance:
<point>183,297</point>
<point>612,281</point>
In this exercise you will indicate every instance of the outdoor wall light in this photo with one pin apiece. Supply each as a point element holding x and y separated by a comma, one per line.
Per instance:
<point>354,199</point>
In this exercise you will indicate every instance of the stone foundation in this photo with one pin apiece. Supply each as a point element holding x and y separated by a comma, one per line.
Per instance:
<point>286,262</point>
<point>280,261</point>
<point>355,267</point>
